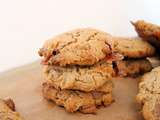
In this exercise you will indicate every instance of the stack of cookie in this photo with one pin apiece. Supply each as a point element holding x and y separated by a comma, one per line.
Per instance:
<point>78,70</point>
<point>135,52</point>
<point>149,86</point>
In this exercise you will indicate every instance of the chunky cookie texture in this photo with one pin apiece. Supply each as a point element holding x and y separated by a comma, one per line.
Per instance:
<point>149,95</point>
<point>7,110</point>
<point>74,101</point>
<point>148,31</point>
<point>133,67</point>
<point>86,78</point>
<point>78,47</point>
<point>133,47</point>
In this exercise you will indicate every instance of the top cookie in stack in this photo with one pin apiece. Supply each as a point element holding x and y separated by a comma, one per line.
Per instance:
<point>78,69</point>
<point>77,47</point>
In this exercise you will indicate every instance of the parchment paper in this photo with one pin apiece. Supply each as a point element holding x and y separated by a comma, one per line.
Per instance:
<point>23,85</point>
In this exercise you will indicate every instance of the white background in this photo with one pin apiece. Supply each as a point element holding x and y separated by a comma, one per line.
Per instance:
<point>25,24</point>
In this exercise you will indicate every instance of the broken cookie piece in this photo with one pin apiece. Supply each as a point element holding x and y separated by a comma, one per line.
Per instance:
<point>149,95</point>
<point>7,110</point>
<point>76,100</point>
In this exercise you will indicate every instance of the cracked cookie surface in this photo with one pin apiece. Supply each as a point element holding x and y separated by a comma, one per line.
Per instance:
<point>75,100</point>
<point>86,78</point>
<point>78,47</point>
<point>133,67</point>
<point>149,94</point>
<point>148,31</point>
<point>133,47</point>
<point>7,110</point>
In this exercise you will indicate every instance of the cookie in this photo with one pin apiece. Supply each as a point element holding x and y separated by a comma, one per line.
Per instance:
<point>133,47</point>
<point>75,100</point>
<point>133,67</point>
<point>148,31</point>
<point>7,110</point>
<point>84,78</point>
<point>149,94</point>
<point>78,47</point>
<point>155,61</point>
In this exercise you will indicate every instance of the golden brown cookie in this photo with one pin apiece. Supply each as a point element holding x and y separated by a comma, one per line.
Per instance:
<point>78,47</point>
<point>149,94</point>
<point>74,101</point>
<point>133,67</point>
<point>7,110</point>
<point>84,78</point>
<point>133,47</point>
<point>148,31</point>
